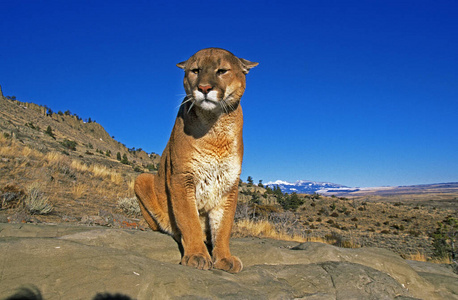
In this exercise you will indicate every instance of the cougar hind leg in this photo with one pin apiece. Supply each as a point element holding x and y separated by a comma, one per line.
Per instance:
<point>154,213</point>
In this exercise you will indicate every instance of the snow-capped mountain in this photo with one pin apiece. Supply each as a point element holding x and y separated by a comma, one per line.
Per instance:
<point>310,187</point>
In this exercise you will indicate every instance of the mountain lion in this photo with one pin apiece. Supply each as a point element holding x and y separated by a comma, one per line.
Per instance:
<point>193,197</point>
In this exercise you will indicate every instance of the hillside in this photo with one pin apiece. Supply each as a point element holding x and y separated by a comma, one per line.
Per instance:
<point>29,123</point>
<point>73,164</point>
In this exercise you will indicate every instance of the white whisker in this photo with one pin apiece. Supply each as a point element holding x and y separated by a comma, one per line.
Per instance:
<point>192,104</point>
<point>223,106</point>
<point>185,100</point>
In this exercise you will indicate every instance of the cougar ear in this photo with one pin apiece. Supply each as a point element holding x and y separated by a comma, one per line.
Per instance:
<point>182,65</point>
<point>247,65</point>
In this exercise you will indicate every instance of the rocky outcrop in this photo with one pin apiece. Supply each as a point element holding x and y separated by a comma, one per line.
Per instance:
<point>79,262</point>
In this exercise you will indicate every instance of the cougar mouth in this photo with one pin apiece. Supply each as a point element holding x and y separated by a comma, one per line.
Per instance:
<point>207,101</point>
<point>207,104</point>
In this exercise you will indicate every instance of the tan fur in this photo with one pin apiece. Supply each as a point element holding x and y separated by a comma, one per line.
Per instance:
<point>193,197</point>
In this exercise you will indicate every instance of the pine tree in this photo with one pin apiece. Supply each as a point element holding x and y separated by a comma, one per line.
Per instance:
<point>250,181</point>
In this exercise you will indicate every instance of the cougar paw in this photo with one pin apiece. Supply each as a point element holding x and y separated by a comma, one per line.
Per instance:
<point>231,264</point>
<point>198,261</point>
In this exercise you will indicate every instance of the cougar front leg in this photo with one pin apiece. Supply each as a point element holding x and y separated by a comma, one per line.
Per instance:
<point>187,219</point>
<point>221,220</point>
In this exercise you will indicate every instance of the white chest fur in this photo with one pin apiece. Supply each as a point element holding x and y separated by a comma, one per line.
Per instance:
<point>214,177</point>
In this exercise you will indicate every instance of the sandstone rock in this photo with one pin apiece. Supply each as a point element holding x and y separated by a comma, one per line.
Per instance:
<point>70,262</point>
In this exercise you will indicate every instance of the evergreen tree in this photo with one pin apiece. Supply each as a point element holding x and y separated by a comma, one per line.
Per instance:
<point>250,181</point>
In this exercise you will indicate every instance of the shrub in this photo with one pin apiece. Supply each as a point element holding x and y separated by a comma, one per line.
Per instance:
<point>71,145</point>
<point>129,206</point>
<point>151,167</point>
<point>414,233</point>
<point>36,202</point>
<point>445,238</point>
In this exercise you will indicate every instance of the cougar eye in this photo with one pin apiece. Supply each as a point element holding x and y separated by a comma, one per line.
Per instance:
<point>221,71</point>
<point>195,71</point>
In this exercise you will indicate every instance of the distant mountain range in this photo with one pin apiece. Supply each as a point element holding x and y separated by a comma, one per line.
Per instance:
<point>310,187</point>
<point>328,188</point>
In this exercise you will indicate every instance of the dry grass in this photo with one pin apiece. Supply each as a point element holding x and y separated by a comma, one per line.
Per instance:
<point>419,256</point>
<point>8,147</point>
<point>31,153</point>
<point>79,166</point>
<point>78,190</point>
<point>11,148</point>
<point>116,178</point>
<point>442,260</point>
<point>100,171</point>
<point>263,229</point>
<point>131,185</point>
<point>36,202</point>
<point>54,157</point>
<point>97,171</point>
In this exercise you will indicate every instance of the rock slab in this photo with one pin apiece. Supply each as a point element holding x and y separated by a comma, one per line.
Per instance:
<point>68,262</point>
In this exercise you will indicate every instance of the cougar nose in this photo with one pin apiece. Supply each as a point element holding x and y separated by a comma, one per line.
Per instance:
<point>205,88</point>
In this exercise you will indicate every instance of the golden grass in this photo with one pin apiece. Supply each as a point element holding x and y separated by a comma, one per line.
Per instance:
<point>116,178</point>
<point>36,202</point>
<point>8,148</point>
<point>98,171</point>
<point>317,239</point>
<point>54,157</point>
<point>78,190</point>
<point>442,260</point>
<point>79,166</point>
<point>263,229</point>
<point>131,185</point>
<point>419,256</point>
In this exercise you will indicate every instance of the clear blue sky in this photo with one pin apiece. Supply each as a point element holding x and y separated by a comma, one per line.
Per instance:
<point>361,93</point>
